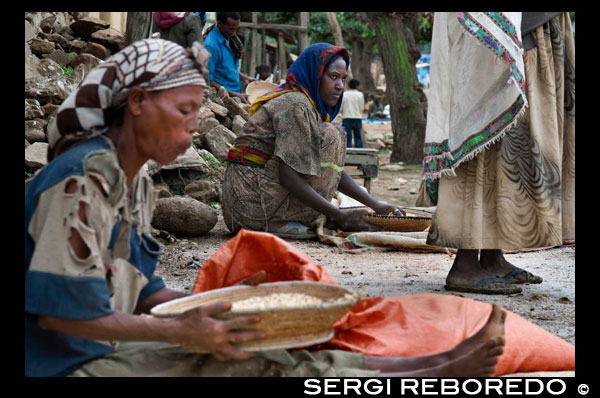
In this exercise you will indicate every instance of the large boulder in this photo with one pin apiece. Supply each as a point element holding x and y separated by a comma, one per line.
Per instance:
<point>183,216</point>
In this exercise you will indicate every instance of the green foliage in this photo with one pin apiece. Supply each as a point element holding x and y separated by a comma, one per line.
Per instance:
<point>27,175</point>
<point>67,70</point>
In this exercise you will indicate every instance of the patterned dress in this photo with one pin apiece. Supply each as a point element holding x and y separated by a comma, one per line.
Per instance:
<point>286,129</point>
<point>520,193</point>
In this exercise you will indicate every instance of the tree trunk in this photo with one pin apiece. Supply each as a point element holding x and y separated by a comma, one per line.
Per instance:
<point>303,19</point>
<point>408,104</point>
<point>362,56</point>
<point>139,26</point>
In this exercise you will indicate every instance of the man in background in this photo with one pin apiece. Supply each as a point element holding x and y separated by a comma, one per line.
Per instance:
<point>353,105</point>
<point>226,50</point>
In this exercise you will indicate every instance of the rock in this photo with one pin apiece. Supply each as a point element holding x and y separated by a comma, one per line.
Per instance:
<point>32,64</point>
<point>26,143</point>
<point>400,181</point>
<point>34,130</point>
<point>58,56</point>
<point>39,46</point>
<point>207,125</point>
<point>205,191</point>
<point>246,107</point>
<point>49,109</point>
<point>79,72</point>
<point>30,31</point>
<point>233,107</point>
<point>76,45</point>
<point>218,140</point>
<point>33,109</point>
<point>217,109</point>
<point>84,27</point>
<point>97,50</point>
<point>185,216</point>
<point>55,92</point>
<point>414,191</point>
<point>162,191</point>
<point>205,113</point>
<point>55,38</point>
<point>90,61</point>
<point>109,38</point>
<point>238,124</point>
<point>36,156</point>
<point>50,68</point>
<point>46,23</point>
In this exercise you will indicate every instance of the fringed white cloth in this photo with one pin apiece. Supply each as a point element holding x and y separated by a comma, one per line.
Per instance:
<point>477,89</point>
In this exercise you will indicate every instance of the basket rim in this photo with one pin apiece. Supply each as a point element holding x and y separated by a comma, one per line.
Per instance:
<point>156,310</point>
<point>397,217</point>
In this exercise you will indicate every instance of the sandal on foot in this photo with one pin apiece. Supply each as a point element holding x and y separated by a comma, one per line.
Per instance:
<point>513,277</point>
<point>485,286</point>
<point>294,230</point>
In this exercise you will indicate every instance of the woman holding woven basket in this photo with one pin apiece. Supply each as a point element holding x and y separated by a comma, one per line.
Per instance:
<point>285,167</point>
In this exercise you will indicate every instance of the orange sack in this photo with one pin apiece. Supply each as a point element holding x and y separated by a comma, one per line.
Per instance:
<point>412,325</point>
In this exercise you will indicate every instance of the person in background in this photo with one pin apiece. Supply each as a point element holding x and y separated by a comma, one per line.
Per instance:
<point>375,110</point>
<point>263,73</point>
<point>183,28</point>
<point>353,105</point>
<point>226,50</point>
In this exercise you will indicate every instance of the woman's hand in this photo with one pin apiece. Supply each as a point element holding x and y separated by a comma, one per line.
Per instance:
<point>198,328</point>
<point>351,220</point>
<point>386,209</point>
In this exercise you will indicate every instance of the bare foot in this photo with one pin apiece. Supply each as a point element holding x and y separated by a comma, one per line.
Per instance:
<point>493,329</point>
<point>479,362</point>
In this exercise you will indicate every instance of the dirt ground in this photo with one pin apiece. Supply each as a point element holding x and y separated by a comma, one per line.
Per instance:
<point>550,305</point>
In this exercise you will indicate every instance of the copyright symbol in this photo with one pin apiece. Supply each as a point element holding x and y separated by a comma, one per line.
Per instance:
<point>583,389</point>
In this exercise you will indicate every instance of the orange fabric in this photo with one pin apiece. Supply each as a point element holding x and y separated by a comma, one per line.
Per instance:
<point>411,325</point>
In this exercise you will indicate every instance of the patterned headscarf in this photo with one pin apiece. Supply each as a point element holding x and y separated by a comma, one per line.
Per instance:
<point>152,64</point>
<point>305,75</point>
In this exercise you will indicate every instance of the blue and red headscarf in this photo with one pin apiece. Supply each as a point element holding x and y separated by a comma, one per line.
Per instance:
<point>305,75</point>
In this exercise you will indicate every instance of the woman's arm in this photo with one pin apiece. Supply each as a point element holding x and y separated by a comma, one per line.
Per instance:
<point>301,190</point>
<point>194,328</point>
<point>349,187</point>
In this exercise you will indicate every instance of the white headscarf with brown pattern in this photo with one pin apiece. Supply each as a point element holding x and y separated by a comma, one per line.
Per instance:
<point>152,64</point>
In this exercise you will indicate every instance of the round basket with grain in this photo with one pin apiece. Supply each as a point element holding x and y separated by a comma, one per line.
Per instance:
<point>413,221</point>
<point>293,314</point>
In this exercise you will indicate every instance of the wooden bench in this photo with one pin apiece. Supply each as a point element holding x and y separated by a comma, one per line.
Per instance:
<point>366,160</point>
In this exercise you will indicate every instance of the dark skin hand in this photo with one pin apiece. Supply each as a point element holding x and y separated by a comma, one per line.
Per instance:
<point>346,220</point>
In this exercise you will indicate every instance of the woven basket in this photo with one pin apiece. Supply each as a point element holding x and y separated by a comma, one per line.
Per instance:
<point>414,221</point>
<point>287,327</point>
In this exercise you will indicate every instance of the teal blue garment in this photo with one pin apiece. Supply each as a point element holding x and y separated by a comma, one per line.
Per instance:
<point>222,65</point>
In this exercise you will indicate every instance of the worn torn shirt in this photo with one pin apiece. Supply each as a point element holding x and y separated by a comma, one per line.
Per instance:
<point>119,270</point>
